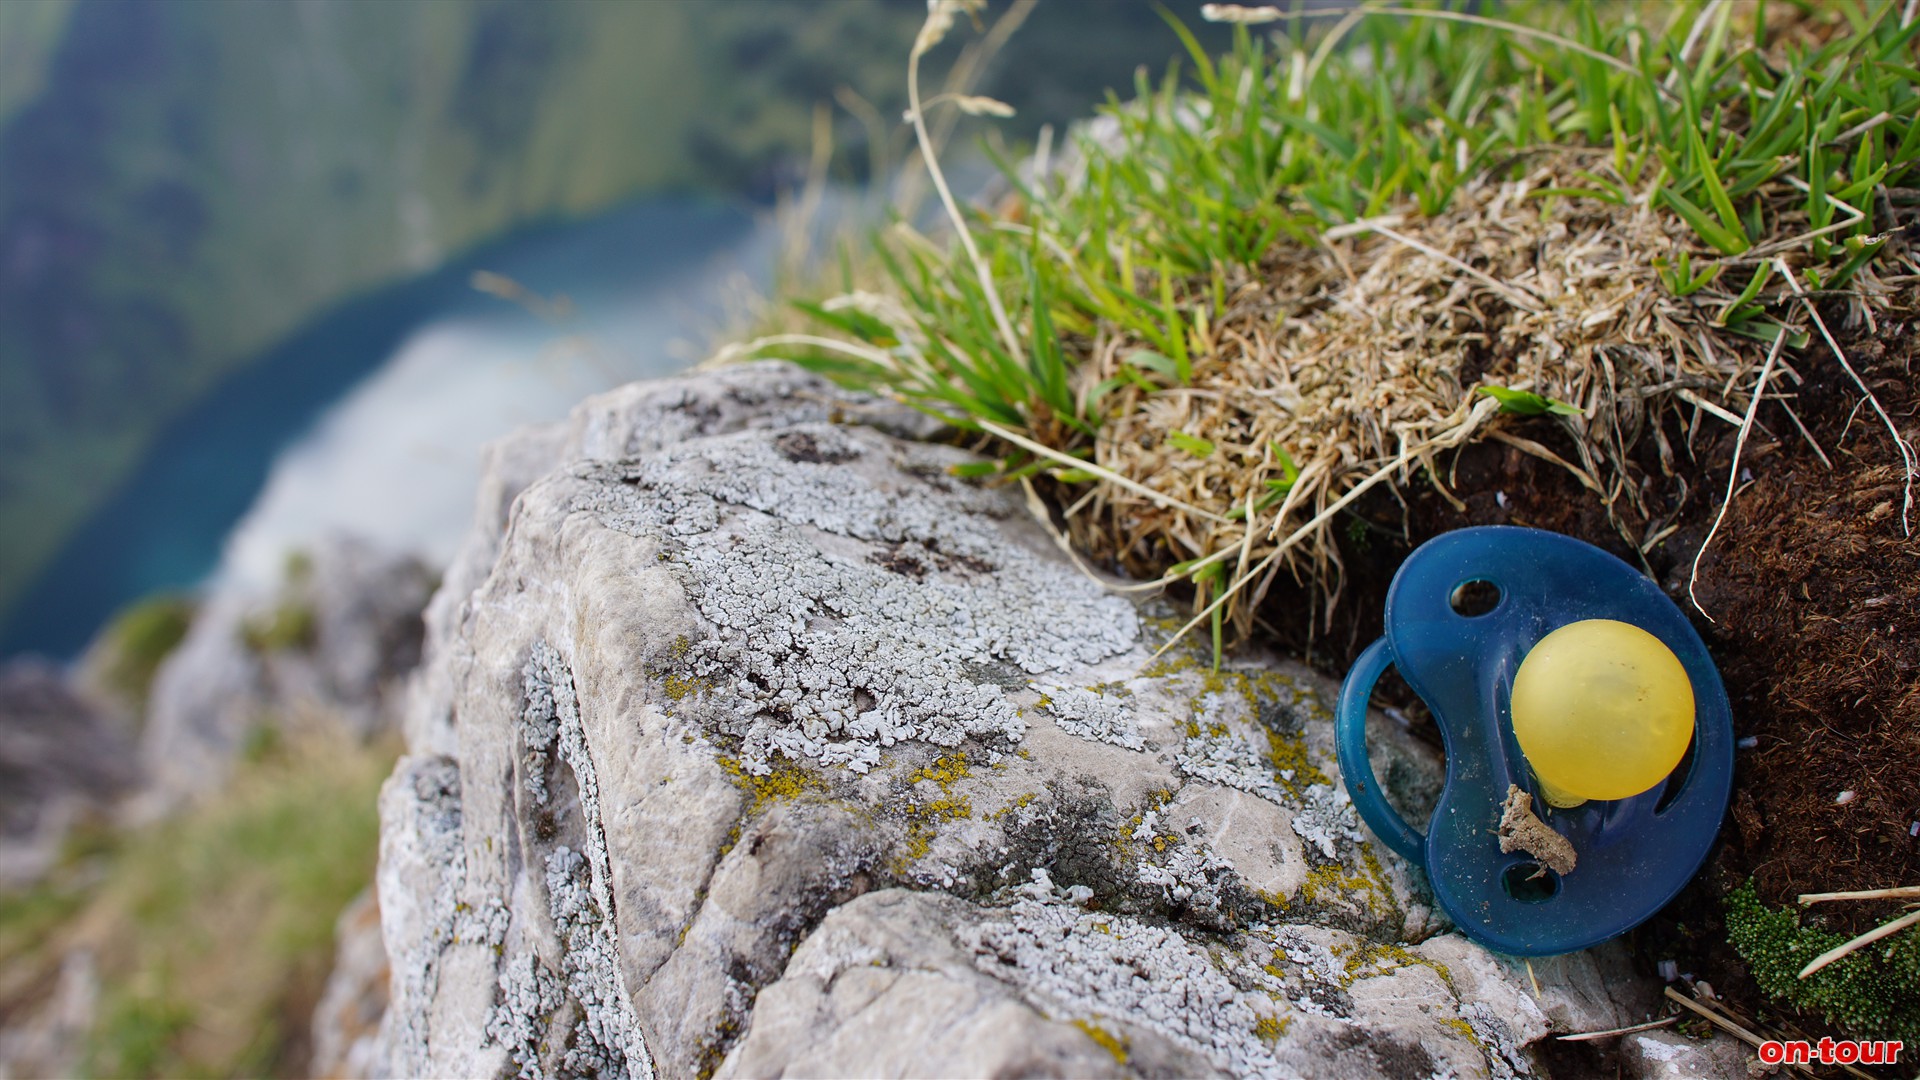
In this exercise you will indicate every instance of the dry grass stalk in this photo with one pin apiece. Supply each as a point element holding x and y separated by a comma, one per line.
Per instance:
<point>1359,359</point>
<point>1909,461</point>
<point>1589,1036</point>
<point>1885,929</point>
<point>1718,1019</point>
<point>940,15</point>
<point>1902,892</point>
<point>1733,468</point>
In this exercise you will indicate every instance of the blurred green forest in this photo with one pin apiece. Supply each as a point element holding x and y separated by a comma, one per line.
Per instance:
<point>182,184</point>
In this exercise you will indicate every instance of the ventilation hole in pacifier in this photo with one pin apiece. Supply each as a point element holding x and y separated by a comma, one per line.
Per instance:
<point>1530,883</point>
<point>1676,781</point>
<point>1475,598</point>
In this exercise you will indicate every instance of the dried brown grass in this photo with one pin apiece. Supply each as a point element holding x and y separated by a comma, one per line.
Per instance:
<point>1360,359</point>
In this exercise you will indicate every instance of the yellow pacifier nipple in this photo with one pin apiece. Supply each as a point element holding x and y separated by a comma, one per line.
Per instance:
<point>1602,710</point>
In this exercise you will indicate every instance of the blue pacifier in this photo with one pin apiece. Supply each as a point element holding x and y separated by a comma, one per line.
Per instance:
<point>1550,665</point>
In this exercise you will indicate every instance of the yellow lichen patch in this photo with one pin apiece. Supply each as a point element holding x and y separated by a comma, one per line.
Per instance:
<point>1271,1028</point>
<point>1463,1028</point>
<point>1338,884</point>
<point>1020,802</point>
<point>923,818</point>
<point>678,684</point>
<point>1187,655</point>
<point>680,687</point>
<point>945,809</point>
<point>1108,1041</point>
<point>1157,799</point>
<point>1375,958</point>
<point>713,1047</point>
<point>1372,958</point>
<point>919,841</point>
<point>1381,888</point>
<point>784,780</point>
<point>1259,690</point>
<point>1273,900</point>
<point>946,770</point>
<point>1293,769</point>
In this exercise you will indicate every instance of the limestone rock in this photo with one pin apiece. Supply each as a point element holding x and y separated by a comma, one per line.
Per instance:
<point>63,758</point>
<point>330,646</point>
<point>630,421</point>
<point>1664,1055</point>
<point>346,1023</point>
<point>46,1037</point>
<point>755,742</point>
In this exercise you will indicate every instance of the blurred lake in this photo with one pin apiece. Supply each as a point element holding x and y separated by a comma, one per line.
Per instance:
<point>237,241</point>
<point>371,419</point>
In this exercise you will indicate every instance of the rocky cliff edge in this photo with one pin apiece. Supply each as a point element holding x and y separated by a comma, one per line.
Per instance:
<point>753,742</point>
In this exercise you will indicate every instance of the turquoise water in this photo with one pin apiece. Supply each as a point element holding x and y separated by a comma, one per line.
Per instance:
<point>166,527</point>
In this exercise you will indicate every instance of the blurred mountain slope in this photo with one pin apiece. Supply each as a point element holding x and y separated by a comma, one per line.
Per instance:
<point>182,184</point>
<point>28,31</point>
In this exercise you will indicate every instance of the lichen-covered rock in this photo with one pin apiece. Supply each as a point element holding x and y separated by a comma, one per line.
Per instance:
<point>768,746</point>
<point>629,422</point>
<point>46,1035</point>
<point>63,760</point>
<point>329,646</point>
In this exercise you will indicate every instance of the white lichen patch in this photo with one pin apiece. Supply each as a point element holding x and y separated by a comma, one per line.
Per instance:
<point>1077,965</point>
<point>528,993</point>
<point>1325,817</point>
<point>483,925</point>
<point>1101,713</point>
<point>1230,759</point>
<point>1223,748</point>
<point>1314,961</point>
<point>606,1040</point>
<point>1189,877</point>
<point>423,870</point>
<point>539,724</point>
<point>834,650</point>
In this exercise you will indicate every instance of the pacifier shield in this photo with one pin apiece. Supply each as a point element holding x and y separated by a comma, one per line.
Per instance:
<point>1602,708</point>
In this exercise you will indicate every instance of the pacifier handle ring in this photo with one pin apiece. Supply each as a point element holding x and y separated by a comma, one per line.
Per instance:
<point>1350,732</point>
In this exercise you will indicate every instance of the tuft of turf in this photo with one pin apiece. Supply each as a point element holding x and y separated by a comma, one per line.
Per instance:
<point>1874,992</point>
<point>1280,278</point>
<point>137,640</point>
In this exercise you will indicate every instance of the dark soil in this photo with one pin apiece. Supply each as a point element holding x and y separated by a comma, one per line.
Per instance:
<point>1814,593</point>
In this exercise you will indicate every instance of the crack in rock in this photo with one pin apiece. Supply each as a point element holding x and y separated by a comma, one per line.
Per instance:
<point>604,1039</point>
